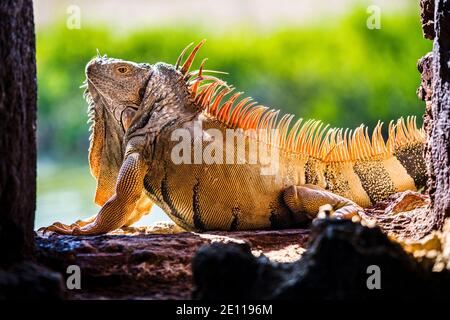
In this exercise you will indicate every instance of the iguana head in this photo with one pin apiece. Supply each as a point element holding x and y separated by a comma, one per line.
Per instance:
<point>119,84</point>
<point>114,92</point>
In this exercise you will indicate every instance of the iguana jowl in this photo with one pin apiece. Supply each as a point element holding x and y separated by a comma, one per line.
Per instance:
<point>136,107</point>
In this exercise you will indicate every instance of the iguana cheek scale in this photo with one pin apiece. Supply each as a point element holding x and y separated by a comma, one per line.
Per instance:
<point>131,155</point>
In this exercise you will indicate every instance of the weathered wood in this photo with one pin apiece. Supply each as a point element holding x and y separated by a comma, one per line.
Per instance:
<point>427,18</point>
<point>145,265</point>
<point>438,131</point>
<point>17,130</point>
<point>338,265</point>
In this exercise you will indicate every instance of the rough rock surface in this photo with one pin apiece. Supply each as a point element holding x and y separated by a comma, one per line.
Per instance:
<point>335,266</point>
<point>404,215</point>
<point>140,265</point>
<point>29,281</point>
<point>442,261</point>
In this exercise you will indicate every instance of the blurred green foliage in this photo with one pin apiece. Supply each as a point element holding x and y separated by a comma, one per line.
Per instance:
<point>340,72</point>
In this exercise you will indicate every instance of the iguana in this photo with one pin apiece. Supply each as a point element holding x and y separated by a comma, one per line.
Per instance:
<point>135,110</point>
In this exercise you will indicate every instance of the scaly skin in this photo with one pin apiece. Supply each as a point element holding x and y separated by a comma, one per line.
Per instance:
<point>136,108</point>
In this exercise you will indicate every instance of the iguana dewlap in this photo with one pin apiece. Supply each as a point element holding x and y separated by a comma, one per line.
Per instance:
<point>141,113</point>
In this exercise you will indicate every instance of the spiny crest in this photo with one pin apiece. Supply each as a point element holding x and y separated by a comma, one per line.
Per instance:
<point>303,138</point>
<point>91,112</point>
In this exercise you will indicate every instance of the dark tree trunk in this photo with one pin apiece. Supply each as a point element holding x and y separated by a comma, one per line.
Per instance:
<point>435,91</point>
<point>438,151</point>
<point>17,130</point>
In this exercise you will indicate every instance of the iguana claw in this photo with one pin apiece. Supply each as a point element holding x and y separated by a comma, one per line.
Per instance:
<point>61,228</point>
<point>313,200</point>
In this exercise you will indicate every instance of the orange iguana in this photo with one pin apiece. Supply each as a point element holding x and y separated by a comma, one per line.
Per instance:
<point>141,113</point>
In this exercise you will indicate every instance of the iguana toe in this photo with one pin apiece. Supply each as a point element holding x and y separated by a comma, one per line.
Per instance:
<point>60,228</point>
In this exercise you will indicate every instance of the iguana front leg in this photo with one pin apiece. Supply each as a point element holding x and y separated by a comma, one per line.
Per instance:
<point>143,206</point>
<point>309,199</point>
<point>118,210</point>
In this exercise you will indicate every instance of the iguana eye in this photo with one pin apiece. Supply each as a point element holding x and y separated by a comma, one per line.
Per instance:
<point>122,69</point>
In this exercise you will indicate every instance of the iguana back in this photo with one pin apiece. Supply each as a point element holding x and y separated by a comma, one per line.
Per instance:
<point>223,196</point>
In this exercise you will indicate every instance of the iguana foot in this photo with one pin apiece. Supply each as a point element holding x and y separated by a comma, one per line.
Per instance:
<point>310,199</point>
<point>74,229</point>
<point>61,228</point>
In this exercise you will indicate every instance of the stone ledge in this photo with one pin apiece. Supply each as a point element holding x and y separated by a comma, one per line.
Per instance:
<point>137,264</point>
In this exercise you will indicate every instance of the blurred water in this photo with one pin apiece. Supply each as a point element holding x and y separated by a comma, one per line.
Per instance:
<point>65,194</point>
